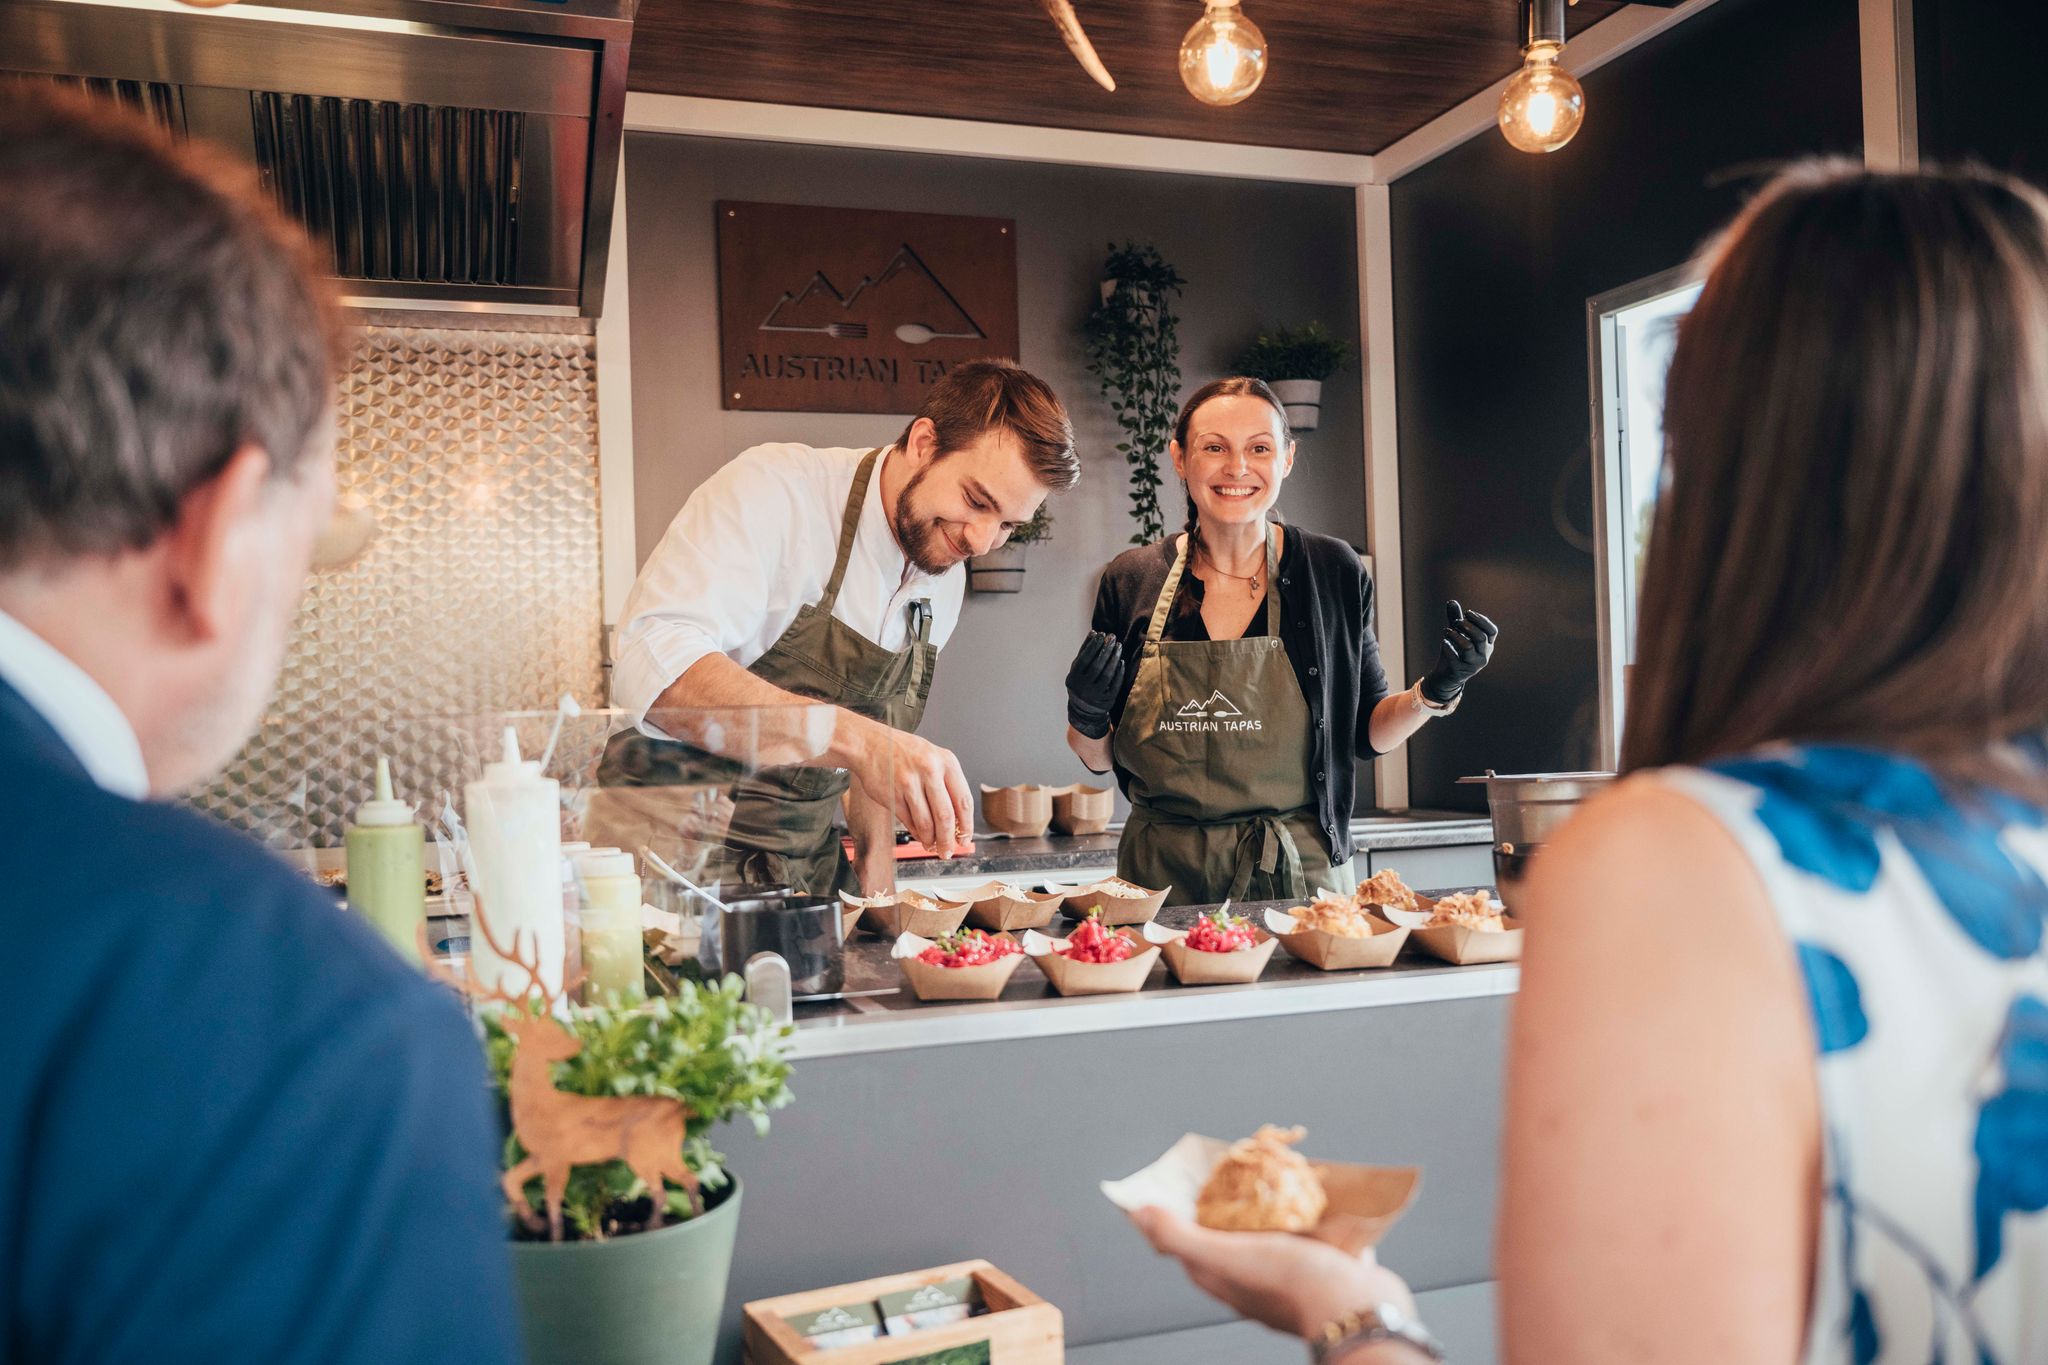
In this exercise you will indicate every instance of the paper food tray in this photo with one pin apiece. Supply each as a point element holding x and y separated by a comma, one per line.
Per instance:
<point>1455,943</point>
<point>896,916</point>
<point>1082,809</point>
<point>1022,812</point>
<point>988,908</point>
<point>1333,952</point>
<point>1365,1201</point>
<point>1193,967</point>
<point>1114,910</point>
<point>1069,977</point>
<point>927,982</point>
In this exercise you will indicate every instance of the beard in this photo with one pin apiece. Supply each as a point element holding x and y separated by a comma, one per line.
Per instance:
<point>924,544</point>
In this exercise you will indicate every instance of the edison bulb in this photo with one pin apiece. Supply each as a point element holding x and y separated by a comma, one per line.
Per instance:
<point>1223,57</point>
<point>1543,105</point>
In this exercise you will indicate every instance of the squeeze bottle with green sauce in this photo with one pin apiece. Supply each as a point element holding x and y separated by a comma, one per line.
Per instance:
<point>387,876</point>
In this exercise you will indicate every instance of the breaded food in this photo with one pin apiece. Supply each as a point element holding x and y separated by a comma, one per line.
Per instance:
<point>1386,888</point>
<point>1469,910</point>
<point>1262,1185</point>
<point>1341,918</point>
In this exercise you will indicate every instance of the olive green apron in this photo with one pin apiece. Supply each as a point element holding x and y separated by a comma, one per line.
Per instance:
<point>1216,740</point>
<point>780,830</point>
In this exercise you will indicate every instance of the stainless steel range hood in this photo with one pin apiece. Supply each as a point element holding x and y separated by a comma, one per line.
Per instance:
<point>455,154</point>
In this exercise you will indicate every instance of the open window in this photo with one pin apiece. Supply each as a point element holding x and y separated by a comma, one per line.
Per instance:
<point>1631,332</point>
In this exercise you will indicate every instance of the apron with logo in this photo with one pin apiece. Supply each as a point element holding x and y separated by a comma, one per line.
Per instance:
<point>780,831</point>
<point>1216,740</point>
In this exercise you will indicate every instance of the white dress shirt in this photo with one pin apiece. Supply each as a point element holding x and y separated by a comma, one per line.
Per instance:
<point>752,546</point>
<point>77,708</point>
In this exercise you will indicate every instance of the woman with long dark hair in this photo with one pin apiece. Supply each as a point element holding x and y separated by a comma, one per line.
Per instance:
<point>1778,1085</point>
<point>1232,675</point>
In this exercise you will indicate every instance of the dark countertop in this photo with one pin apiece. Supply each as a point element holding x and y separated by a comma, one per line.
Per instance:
<point>1029,1007</point>
<point>995,855</point>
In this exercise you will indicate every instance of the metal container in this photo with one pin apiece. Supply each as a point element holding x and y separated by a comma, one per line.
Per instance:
<point>805,931</point>
<point>1527,808</point>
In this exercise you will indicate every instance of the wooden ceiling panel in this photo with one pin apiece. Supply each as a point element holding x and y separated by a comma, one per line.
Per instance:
<point>1345,75</point>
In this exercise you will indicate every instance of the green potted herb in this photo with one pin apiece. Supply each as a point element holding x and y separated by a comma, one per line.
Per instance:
<point>648,1214</point>
<point>1133,348</point>
<point>1296,362</point>
<point>1002,569</point>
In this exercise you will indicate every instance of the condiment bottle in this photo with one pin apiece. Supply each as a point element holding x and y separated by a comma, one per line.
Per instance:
<point>387,866</point>
<point>515,837</point>
<point>612,944</point>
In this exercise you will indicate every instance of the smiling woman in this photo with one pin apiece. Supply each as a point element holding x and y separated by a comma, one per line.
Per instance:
<point>1232,674</point>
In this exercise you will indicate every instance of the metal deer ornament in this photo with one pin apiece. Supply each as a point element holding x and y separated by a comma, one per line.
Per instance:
<point>1069,25</point>
<point>561,1131</point>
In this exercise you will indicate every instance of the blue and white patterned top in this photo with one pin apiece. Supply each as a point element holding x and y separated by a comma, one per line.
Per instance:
<point>1916,908</point>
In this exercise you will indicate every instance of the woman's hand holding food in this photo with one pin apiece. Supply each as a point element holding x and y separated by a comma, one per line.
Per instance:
<point>1466,646</point>
<point>1093,682</point>
<point>1291,1283</point>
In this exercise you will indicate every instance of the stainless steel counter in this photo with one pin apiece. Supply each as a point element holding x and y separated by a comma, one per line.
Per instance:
<point>995,855</point>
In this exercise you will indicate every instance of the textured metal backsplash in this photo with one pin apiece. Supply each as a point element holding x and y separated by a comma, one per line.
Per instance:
<point>478,453</point>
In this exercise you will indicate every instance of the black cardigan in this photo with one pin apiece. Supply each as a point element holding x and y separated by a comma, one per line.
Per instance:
<point>1325,612</point>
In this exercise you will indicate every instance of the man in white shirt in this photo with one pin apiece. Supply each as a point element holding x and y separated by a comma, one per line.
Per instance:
<point>800,574</point>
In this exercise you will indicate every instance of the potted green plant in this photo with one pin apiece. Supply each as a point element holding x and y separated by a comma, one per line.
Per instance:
<point>1296,362</point>
<point>1002,569</point>
<point>1133,349</point>
<point>630,1266</point>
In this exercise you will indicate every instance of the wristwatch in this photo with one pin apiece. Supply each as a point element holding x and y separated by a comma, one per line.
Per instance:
<point>1381,1322</point>
<point>1439,708</point>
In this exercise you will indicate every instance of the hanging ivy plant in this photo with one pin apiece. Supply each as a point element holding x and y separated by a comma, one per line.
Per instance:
<point>1133,347</point>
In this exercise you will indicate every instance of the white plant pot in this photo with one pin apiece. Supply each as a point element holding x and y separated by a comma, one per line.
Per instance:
<point>998,571</point>
<point>1302,399</point>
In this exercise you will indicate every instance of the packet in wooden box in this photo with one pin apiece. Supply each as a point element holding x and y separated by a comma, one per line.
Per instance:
<point>928,1306</point>
<point>1193,967</point>
<point>1021,812</point>
<point>1365,1201</point>
<point>929,982</point>
<point>1113,909</point>
<point>1082,809</point>
<point>1069,977</point>
<point>1334,952</point>
<point>1461,945</point>
<point>1002,908</point>
<point>908,912</point>
<point>1019,1328</point>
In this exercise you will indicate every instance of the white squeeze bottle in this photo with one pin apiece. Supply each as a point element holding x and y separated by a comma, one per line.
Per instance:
<point>515,837</point>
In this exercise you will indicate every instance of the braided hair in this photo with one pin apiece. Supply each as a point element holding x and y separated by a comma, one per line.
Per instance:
<point>1231,387</point>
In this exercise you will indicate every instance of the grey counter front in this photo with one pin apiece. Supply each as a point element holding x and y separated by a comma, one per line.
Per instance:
<point>925,1134</point>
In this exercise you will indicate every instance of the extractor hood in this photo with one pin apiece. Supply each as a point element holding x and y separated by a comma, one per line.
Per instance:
<point>454,154</point>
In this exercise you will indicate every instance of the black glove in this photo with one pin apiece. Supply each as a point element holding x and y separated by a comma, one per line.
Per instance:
<point>1467,645</point>
<point>1094,680</point>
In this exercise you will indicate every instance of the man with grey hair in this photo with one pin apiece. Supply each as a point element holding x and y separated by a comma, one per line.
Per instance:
<point>233,1125</point>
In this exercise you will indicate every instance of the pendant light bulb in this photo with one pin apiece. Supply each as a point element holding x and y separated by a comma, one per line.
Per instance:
<point>1223,57</point>
<point>1543,105</point>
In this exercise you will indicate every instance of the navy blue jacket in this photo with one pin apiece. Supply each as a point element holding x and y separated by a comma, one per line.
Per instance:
<point>233,1125</point>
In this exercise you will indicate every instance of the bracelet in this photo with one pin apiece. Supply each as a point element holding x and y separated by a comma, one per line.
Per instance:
<point>1423,702</point>
<point>1384,1322</point>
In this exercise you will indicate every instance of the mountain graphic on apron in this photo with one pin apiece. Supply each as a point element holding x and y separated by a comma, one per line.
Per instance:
<point>1217,705</point>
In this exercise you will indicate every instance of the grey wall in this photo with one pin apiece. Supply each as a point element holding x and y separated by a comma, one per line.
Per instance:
<point>1255,254</point>
<point>1495,254</point>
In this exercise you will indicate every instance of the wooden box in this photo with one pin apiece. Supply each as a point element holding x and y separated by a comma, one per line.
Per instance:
<point>1019,1329</point>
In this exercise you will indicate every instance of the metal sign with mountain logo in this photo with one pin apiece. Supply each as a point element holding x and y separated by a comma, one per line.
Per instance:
<point>857,310</point>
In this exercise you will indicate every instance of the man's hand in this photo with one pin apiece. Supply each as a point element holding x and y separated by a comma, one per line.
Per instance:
<point>919,782</point>
<point>1292,1284</point>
